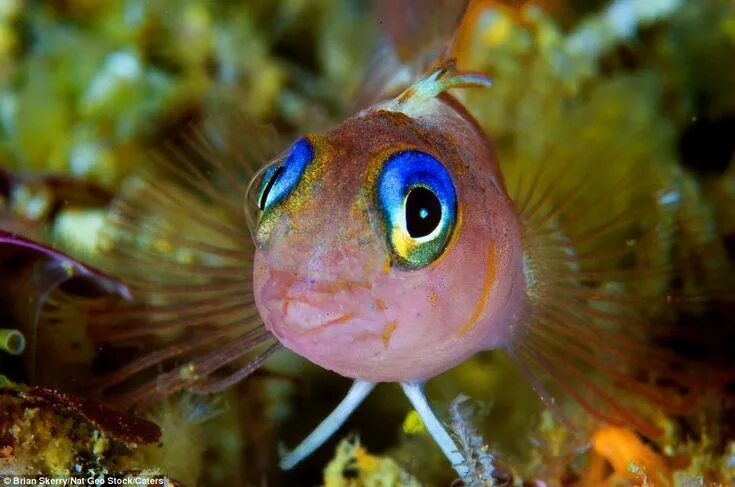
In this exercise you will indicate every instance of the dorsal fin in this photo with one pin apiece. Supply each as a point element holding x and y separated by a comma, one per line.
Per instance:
<point>417,35</point>
<point>417,27</point>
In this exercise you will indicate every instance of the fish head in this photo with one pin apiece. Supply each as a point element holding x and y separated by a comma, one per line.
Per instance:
<point>387,249</point>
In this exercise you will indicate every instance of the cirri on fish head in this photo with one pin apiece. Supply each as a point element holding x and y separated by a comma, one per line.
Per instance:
<point>388,249</point>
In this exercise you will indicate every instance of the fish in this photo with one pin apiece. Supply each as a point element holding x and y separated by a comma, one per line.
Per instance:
<point>392,248</point>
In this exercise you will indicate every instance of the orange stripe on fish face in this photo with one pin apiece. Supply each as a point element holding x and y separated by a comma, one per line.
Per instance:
<point>340,320</point>
<point>487,286</point>
<point>388,333</point>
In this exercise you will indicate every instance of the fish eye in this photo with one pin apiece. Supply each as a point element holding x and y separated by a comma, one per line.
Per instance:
<point>423,212</point>
<point>280,179</point>
<point>418,201</point>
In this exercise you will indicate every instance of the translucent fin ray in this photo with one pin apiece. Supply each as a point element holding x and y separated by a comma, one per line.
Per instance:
<point>614,322</point>
<point>178,237</point>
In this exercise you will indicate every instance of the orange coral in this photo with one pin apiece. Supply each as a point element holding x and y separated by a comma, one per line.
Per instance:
<point>631,460</point>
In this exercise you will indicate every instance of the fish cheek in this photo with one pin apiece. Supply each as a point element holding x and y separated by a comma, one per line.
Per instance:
<point>476,269</point>
<point>272,227</point>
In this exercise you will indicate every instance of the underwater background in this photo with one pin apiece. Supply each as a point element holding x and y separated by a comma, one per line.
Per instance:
<point>89,88</point>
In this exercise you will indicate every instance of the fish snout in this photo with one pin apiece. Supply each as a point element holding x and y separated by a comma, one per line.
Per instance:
<point>295,304</point>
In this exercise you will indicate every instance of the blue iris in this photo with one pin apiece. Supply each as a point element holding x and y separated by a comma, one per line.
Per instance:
<point>418,200</point>
<point>280,179</point>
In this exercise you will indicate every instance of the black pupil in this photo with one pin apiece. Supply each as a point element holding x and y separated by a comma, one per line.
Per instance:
<point>268,187</point>
<point>423,212</point>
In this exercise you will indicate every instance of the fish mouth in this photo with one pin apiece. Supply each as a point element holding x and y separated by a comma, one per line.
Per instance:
<point>302,305</point>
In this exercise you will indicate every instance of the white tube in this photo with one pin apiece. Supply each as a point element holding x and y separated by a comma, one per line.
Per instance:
<point>415,394</point>
<point>357,393</point>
